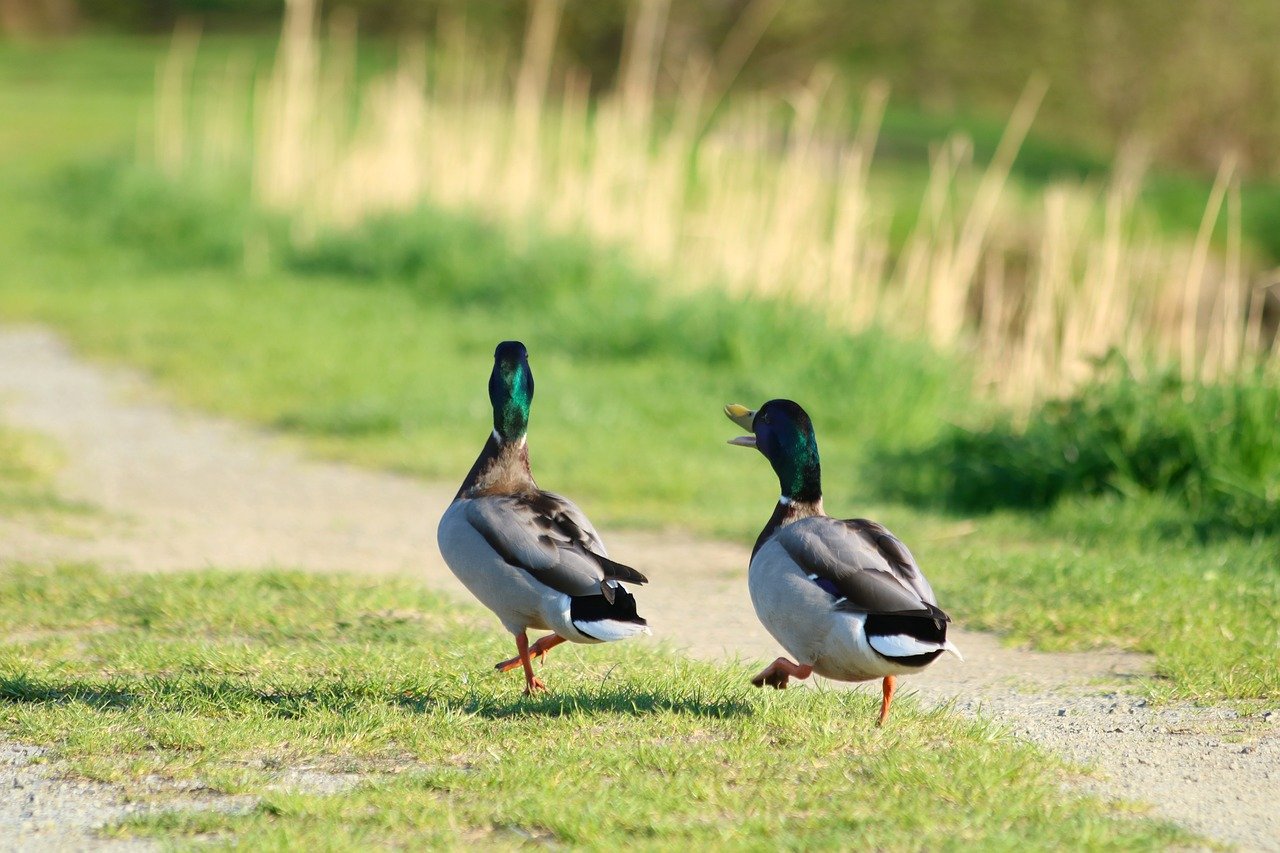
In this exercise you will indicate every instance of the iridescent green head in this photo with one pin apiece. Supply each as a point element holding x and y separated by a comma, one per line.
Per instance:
<point>511,390</point>
<point>782,431</point>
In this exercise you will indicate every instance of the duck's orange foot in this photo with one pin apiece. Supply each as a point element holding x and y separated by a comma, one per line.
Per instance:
<point>539,648</point>
<point>773,677</point>
<point>534,685</point>
<point>778,673</point>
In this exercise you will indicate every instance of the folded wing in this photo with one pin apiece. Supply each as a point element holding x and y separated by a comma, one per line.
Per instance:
<point>862,560</point>
<point>547,536</point>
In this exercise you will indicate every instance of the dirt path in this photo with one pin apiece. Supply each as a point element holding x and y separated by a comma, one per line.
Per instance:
<point>183,490</point>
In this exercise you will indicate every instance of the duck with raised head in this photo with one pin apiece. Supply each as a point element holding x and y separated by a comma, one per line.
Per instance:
<point>531,556</point>
<point>844,597</point>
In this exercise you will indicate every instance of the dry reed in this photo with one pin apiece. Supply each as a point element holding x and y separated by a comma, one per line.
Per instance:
<point>723,192</point>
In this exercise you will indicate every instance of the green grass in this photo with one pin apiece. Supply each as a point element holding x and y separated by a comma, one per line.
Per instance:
<point>375,347</point>
<point>1091,574</point>
<point>234,678</point>
<point>1157,503</point>
<point>1112,74</point>
<point>1174,200</point>
<point>1211,448</point>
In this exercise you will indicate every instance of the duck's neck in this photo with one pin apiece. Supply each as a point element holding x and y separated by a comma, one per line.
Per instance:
<point>501,469</point>
<point>787,511</point>
<point>798,468</point>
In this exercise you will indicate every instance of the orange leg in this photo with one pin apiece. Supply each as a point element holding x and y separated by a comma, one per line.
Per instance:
<point>777,673</point>
<point>887,688</point>
<point>532,683</point>
<point>539,648</point>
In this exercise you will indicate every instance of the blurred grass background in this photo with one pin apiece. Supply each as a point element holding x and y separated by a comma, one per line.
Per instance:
<point>1192,82</point>
<point>1197,78</point>
<point>1138,508</point>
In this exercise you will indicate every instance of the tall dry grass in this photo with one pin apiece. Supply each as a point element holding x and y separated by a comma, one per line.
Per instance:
<point>764,196</point>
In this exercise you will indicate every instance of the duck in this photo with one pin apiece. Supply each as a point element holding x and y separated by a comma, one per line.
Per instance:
<point>531,556</point>
<point>844,597</point>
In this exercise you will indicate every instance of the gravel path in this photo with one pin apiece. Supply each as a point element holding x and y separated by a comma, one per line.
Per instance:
<point>183,490</point>
<point>41,812</point>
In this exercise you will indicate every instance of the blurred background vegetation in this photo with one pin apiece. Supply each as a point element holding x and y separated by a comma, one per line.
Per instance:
<point>1196,79</point>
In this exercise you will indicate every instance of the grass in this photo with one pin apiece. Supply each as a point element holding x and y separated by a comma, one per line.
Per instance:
<point>1157,503</point>
<point>1175,200</point>
<point>235,678</point>
<point>757,195</point>
<point>374,346</point>
<point>1092,574</point>
<point>1213,448</point>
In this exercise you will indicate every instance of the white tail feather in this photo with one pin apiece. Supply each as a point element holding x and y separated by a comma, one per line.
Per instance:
<point>901,645</point>
<point>608,630</point>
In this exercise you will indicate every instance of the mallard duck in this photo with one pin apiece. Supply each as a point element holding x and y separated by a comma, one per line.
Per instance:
<point>844,597</point>
<point>531,556</point>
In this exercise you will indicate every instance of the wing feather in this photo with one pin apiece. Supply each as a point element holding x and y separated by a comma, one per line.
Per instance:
<point>547,536</point>
<point>864,563</point>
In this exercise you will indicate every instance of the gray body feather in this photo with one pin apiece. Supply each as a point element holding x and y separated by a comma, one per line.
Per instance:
<point>525,556</point>
<point>814,582</point>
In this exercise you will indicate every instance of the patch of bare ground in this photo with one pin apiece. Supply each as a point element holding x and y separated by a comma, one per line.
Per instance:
<point>43,809</point>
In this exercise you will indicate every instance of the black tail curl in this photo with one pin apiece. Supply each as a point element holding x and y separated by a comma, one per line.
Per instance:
<point>598,608</point>
<point>928,626</point>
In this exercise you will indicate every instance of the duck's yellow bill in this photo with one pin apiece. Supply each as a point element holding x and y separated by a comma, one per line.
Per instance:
<point>740,415</point>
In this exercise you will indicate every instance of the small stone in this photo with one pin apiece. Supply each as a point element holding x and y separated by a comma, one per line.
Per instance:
<point>1246,750</point>
<point>1062,712</point>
